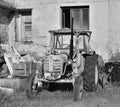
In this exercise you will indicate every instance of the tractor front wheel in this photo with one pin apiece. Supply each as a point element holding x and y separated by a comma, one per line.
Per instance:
<point>32,88</point>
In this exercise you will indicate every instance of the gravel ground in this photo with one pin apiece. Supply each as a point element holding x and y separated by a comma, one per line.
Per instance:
<point>107,97</point>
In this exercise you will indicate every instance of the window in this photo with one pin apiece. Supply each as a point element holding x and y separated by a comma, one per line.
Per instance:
<point>80,16</point>
<point>27,27</point>
<point>24,25</point>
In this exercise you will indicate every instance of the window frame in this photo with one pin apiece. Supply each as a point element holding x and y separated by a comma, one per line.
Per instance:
<point>74,7</point>
<point>22,13</point>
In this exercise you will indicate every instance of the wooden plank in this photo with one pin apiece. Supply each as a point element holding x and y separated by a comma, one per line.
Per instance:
<point>9,65</point>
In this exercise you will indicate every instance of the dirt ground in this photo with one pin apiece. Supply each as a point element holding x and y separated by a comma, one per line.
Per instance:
<point>107,97</point>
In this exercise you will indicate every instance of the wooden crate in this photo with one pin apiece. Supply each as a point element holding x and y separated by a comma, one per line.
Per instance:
<point>17,68</point>
<point>24,68</point>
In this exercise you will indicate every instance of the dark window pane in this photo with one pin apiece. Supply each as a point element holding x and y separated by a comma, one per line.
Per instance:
<point>86,18</point>
<point>66,18</point>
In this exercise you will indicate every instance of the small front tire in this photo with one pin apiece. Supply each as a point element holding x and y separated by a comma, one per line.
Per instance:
<point>31,89</point>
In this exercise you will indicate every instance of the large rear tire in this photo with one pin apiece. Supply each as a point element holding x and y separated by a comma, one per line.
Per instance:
<point>91,73</point>
<point>31,89</point>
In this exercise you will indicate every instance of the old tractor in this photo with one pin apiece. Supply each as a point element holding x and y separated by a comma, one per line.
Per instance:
<point>70,60</point>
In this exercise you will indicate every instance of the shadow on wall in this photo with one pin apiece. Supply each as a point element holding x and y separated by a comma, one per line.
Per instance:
<point>5,19</point>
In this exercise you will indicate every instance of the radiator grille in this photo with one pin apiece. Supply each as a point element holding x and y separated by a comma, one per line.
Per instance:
<point>53,66</point>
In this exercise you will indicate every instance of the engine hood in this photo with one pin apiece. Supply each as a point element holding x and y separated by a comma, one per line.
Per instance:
<point>62,57</point>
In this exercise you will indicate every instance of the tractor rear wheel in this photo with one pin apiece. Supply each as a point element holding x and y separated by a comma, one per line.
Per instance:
<point>32,88</point>
<point>91,73</point>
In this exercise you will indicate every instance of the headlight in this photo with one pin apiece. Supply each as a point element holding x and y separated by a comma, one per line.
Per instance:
<point>69,61</point>
<point>74,60</point>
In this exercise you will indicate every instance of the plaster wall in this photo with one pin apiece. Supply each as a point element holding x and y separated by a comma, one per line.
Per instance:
<point>114,27</point>
<point>104,21</point>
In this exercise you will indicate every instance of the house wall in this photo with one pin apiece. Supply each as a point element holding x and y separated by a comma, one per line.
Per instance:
<point>104,21</point>
<point>113,44</point>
